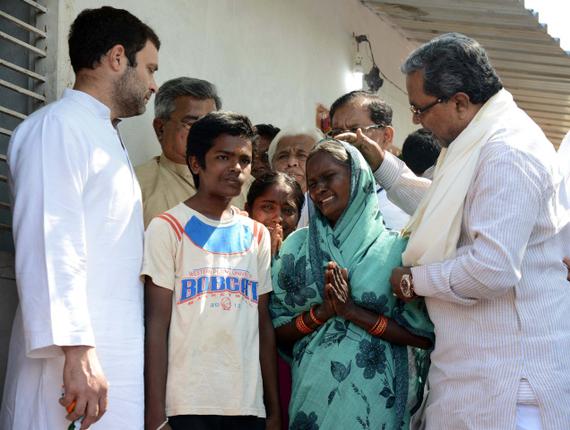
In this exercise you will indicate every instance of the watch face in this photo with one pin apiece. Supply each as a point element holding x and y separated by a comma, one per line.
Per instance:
<point>406,286</point>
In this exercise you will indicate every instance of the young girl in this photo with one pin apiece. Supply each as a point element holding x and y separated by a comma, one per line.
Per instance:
<point>275,200</point>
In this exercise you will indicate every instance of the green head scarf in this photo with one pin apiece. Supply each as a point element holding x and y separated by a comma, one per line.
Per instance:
<point>342,376</point>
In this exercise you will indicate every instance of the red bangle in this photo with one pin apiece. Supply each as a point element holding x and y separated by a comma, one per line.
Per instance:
<point>301,326</point>
<point>379,327</point>
<point>314,317</point>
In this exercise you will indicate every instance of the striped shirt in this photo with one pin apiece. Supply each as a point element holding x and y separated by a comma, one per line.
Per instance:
<point>500,305</point>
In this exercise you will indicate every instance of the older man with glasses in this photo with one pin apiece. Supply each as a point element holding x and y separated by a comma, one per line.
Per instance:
<point>373,116</point>
<point>165,180</point>
<point>484,248</point>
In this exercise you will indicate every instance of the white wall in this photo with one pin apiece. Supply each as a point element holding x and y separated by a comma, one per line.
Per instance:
<point>270,59</point>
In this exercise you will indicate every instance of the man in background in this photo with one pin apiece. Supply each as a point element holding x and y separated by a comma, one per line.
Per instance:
<point>165,180</point>
<point>265,134</point>
<point>367,111</point>
<point>420,151</point>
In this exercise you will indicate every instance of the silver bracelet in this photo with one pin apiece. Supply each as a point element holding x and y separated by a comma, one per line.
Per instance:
<point>163,424</point>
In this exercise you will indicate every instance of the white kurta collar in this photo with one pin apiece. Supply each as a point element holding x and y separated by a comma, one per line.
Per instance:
<point>89,102</point>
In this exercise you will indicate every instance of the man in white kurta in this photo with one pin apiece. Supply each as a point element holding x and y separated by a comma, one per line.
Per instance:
<point>563,158</point>
<point>78,232</point>
<point>77,222</point>
<point>484,249</point>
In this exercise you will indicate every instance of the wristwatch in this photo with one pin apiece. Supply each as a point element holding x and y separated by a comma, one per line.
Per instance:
<point>407,286</point>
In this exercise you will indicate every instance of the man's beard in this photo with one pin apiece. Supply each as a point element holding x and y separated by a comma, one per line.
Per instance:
<point>129,95</point>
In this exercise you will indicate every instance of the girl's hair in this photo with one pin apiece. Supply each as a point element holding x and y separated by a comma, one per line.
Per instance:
<point>332,147</point>
<point>262,184</point>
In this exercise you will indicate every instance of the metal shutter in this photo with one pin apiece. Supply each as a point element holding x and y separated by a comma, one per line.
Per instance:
<point>23,46</point>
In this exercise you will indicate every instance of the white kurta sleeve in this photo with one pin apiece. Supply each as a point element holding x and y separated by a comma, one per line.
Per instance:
<point>49,165</point>
<point>402,186</point>
<point>510,189</point>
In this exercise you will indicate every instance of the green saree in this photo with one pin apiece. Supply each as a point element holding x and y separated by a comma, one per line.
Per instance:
<point>342,377</point>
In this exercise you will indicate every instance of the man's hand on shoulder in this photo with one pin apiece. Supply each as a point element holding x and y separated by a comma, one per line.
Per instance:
<point>85,385</point>
<point>371,150</point>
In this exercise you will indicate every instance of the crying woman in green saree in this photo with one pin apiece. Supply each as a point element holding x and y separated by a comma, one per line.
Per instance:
<point>359,356</point>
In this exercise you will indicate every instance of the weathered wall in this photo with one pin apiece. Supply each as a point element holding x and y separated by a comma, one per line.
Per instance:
<point>271,59</point>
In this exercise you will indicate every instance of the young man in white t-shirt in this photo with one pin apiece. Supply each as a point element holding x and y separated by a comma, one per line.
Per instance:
<point>210,348</point>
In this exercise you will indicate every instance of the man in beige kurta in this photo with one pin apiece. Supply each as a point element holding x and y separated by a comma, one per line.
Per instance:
<point>165,180</point>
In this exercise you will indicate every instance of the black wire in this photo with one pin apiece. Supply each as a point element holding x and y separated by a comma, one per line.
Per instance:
<point>371,53</point>
<point>363,38</point>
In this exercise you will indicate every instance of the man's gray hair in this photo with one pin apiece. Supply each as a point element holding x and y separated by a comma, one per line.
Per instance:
<point>183,86</point>
<point>453,63</point>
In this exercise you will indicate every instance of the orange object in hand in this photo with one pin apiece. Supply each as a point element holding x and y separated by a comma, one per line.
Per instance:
<point>71,407</point>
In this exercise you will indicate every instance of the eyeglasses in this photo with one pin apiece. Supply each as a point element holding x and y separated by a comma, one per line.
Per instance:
<point>419,111</point>
<point>336,131</point>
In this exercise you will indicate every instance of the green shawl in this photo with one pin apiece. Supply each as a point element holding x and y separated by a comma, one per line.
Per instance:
<point>343,378</point>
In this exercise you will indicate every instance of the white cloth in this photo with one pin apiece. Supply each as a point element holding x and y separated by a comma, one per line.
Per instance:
<point>304,217</point>
<point>430,240</point>
<point>78,232</point>
<point>564,155</point>
<point>428,174</point>
<point>394,217</point>
<point>500,305</point>
<point>216,271</point>
<point>528,418</point>
<point>564,163</point>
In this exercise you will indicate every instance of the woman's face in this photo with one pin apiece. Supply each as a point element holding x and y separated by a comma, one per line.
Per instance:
<point>328,182</point>
<point>291,157</point>
<point>277,206</point>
